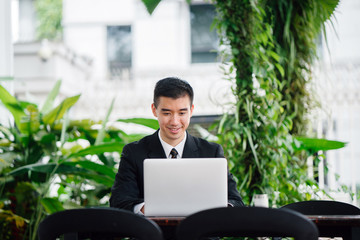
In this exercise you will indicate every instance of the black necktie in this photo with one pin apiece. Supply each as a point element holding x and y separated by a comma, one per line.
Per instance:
<point>173,153</point>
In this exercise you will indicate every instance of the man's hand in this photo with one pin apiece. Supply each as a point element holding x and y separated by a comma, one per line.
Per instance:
<point>142,209</point>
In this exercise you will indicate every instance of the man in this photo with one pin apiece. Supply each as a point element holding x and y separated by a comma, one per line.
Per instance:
<point>173,107</point>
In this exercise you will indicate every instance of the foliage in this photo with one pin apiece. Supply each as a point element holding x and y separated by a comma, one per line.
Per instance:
<point>11,225</point>
<point>45,151</point>
<point>314,145</point>
<point>296,29</point>
<point>257,134</point>
<point>49,17</point>
<point>152,4</point>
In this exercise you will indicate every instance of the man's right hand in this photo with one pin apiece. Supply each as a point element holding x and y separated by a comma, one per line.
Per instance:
<point>142,209</point>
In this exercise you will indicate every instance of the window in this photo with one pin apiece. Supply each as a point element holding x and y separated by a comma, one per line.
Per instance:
<point>204,42</point>
<point>119,52</point>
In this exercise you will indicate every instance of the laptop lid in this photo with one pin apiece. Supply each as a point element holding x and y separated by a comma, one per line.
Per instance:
<point>180,187</point>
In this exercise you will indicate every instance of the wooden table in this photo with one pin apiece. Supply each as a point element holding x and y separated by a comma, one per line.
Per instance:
<point>332,225</point>
<point>168,225</point>
<point>328,225</point>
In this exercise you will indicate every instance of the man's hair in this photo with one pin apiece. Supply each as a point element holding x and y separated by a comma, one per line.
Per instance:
<point>172,87</point>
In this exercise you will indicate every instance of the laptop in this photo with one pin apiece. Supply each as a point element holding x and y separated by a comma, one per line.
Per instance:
<point>180,187</point>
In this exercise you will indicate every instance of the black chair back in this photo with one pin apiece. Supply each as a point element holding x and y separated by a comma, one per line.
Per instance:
<point>327,207</point>
<point>246,222</point>
<point>97,223</point>
<point>323,207</point>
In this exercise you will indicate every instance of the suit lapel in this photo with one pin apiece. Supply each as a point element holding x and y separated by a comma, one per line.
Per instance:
<point>190,148</point>
<point>155,149</point>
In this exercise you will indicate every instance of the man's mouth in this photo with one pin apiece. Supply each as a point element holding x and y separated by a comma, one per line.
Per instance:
<point>174,130</point>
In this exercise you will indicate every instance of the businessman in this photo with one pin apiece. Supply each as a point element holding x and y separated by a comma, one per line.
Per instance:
<point>173,107</point>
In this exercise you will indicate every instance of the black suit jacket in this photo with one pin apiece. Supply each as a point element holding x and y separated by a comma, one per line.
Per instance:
<point>128,188</point>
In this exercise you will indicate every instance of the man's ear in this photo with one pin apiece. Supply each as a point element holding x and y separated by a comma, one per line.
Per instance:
<point>153,108</point>
<point>191,110</point>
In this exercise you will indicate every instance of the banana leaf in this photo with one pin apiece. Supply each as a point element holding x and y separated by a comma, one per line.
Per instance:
<point>148,122</point>
<point>101,133</point>
<point>12,105</point>
<point>89,165</point>
<point>106,147</point>
<point>49,102</point>
<point>100,179</point>
<point>318,144</point>
<point>66,168</point>
<point>58,112</point>
<point>44,168</point>
<point>52,205</point>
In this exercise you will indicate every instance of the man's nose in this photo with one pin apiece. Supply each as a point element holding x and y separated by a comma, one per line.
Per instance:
<point>175,119</point>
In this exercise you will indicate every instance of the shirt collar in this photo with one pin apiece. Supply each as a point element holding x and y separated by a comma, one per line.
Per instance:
<point>167,147</point>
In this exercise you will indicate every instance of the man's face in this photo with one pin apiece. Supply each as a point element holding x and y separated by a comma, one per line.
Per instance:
<point>174,117</point>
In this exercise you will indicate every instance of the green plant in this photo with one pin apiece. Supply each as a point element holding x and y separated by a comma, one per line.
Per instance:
<point>297,26</point>
<point>49,17</point>
<point>11,225</point>
<point>257,135</point>
<point>44,150</point>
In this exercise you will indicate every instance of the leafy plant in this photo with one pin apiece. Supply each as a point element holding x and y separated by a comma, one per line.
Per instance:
<point>49,17</point>
<point>257,135</point>
<point>46,150</point>
<point>297,26</point>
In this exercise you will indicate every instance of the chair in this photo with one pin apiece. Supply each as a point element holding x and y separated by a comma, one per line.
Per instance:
<point>323,207</point>
<point>97,223</point>
<point>326,207</point>
<point>246,222</point>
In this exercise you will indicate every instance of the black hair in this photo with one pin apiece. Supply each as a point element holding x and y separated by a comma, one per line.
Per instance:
<point>172,87</point>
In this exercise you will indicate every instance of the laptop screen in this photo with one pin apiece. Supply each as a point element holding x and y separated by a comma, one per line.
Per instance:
<point>180,187</point>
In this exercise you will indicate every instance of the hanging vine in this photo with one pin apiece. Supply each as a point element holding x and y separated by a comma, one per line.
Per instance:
<point>257,135</point>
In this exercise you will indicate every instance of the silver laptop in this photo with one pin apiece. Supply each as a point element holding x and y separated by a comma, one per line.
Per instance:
<point>180,187</point>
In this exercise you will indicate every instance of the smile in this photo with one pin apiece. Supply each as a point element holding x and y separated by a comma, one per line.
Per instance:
<point>174,130</point>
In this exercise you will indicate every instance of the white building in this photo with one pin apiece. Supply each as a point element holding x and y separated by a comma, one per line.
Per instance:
<point>120,50</point>
<point>338,86</point>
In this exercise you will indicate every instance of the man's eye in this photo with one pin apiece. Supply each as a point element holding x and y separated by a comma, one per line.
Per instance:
<point>182,113</point>
<point>166,114</point>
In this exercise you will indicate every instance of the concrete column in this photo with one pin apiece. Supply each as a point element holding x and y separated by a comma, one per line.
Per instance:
<point>6,54</point>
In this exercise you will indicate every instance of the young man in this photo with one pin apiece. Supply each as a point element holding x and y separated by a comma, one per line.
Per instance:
<point>173,107</point>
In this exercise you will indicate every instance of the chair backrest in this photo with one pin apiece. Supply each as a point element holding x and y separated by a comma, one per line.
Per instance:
<point>323,207</point>
<point>246,222</point>
<point>100,222</point>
